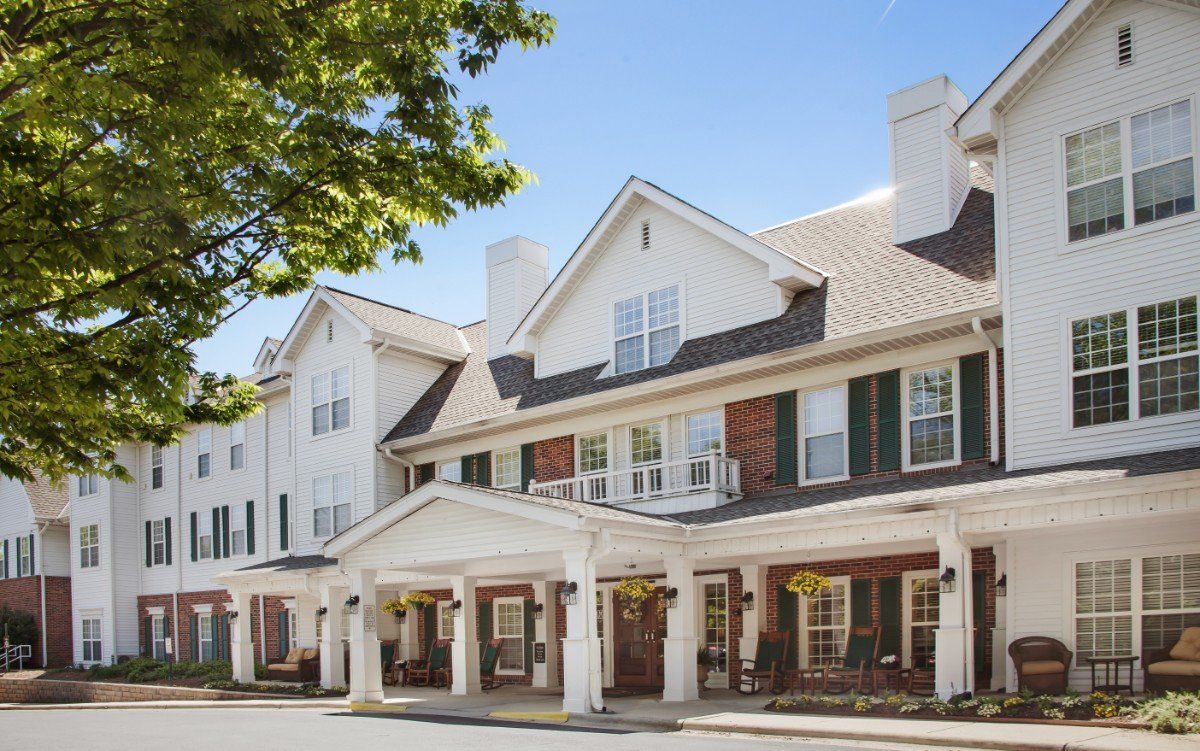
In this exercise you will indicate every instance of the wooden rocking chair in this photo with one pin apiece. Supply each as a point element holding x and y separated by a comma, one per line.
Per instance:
<point>852,669</point>
<point>766,669</point>
<point>387,662</point>
<point>488,663</point>
<point>434,670</point>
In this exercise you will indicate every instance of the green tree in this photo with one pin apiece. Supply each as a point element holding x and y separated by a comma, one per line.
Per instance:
<point>163,163</point>
<point>19,626</point>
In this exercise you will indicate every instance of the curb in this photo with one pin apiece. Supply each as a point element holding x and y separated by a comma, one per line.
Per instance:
<point>229,704</point>
<point>376,706</point>
<point>556,717</point>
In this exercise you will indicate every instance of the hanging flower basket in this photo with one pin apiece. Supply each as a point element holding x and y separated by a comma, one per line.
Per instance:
<point>633,592</point>
<point>393,606</point>
<point>808,583</point>
<point>417,600</point>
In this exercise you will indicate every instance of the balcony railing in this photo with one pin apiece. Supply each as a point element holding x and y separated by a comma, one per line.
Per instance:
<point>711,472</point>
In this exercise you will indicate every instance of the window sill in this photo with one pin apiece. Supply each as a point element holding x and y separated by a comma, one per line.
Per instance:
<point>1128,233</point>
<point>931,465</point>
<point>823,481</point>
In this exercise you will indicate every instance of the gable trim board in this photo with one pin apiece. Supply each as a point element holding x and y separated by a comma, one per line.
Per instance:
<point>784,270</point>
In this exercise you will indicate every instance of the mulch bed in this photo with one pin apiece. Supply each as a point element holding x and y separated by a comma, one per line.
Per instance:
<point>69,674</point>
<point>1025,714</point>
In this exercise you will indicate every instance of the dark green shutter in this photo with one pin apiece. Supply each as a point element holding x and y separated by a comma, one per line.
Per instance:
<point>195,538</point>
<point>222,635</point>
<point>195,639</point>
<point>887,396</point>
<point>148,639</point>
<point>860,602</point>
<point>970,400</point>
<point>526,466</point>
<point>978,603</point>
<point>785,438</point>
<point>429,614</point>
<point>483,614</point>
<point>530,633</point>
<point>225,532</point>
<point>149,545</point>
<point>167,537</point>
<point>32,560</point>
<point>890,603</point>
<point>859,413</point>
<point>283,521</point>
<point>6,559</point>
<point>249,527</point>
<point>216,532</point>
<point>787,618</point>
<point>483,469</point>
<point>467,471</point>
<point>284,637</point>
<point>424,473</point>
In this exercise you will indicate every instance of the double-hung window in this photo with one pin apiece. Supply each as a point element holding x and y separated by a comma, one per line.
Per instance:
<point>506,468</point>
<point>646,329</point>
<point>88,485</point>
<point>510,626</point>
<point>593,453</point>
<point>450,471</point>
<point>24,564</point>
<point>1135,170</point>
<point>204,451</point>
<point>922,607</point>
<point>331,503</point>
<point>823,443</point>
<point>1149,351</point>
<point>158,637</point>
<point>445,620</point>
<point>90,640</point>
<point>826,618</point>
<point>158,542</point>
<point>156,467</point>
<point>205,637</point>
<point>204,535</point>
<point>932,436</point>
<point>89,546</point>
<point>237,446</point>
<point>331,400</point>
<point>704,436</point>
<point>237,529</point>
<point>646,450</point>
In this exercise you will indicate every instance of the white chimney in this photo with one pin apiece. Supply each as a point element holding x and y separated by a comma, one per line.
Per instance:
<point>930,173</point>
<point>517,274</point>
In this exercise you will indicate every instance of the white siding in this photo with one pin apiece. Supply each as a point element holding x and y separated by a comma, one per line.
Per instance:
<point>54,557</point>
<point>126,569</point>
<point>279,472</point>
<point>722,288</point>
<point>16,519</point>
<point>161,503</point>
<point>501,304</point>
<point>400,382</point>
<point>92,588</point>
<point>1047,285</point>
<point>920,192</point>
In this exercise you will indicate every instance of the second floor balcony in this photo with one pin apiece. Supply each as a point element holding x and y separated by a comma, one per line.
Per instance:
<point>665,487</point>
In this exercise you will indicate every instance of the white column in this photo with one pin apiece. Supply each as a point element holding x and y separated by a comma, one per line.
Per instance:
<point>243,639</point>
<point>410,645</point>
<point>679,650</point>
<point>754,580</point>
<point>953,646</point>
<point>464,651</point>
<point>582,671</point>
<point>306,621</point>
<point>1000,631</point>
<point>366,675</point>
<point>333,666</point>
<point>545,629</point>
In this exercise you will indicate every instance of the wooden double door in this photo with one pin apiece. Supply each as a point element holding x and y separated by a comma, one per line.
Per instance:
<point>639,632</point>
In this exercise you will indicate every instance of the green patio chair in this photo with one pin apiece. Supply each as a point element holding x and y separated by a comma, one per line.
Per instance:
<point>852,669</point>
<point>766,669</point>
<point>435,670</point>
<point>387,662</point>
<point>488,663</point>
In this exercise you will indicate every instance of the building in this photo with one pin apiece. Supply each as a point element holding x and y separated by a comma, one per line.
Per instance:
<point>971,402</point>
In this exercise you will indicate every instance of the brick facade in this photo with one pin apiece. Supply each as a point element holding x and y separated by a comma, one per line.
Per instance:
<point>554,459</point>
<point>25,594</point>
<point>218,599</point>
<point>483,597</point>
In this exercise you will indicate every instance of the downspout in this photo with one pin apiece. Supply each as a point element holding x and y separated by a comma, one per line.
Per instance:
<point>409,469</point>
<point>592,632</point>
<point>993,391</point>
<point>40,529</point>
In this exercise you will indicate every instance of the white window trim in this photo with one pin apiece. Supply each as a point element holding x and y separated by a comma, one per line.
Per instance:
<point>496,602</point>
<point>161,525</point>
<point>698,586</point>
<point>234,528</point>
<point>720,410</point>
<point>158,620</point>
<point>349,366</point>
<point>906,612</point>
<point>803,620</point>
<point>95,545</point>
<point>664,424</point>
<point>608,456</point>
<point>441,631</point>
<point>1066,365</point>
<point>24,567</point>
<point>956,411</point>
<point>201,617</point>
<point>161,466</point>
<point>199,453</point>
<point>242,444</point>
<point>204,516</point>
<point>801,467</point>
<point>496,466</point>
<point>611,370</point>
<point>1131,230</point>
<point>92,483</point>
<point>437,469</point>
<point>332,505</point>
<point>97,616</point>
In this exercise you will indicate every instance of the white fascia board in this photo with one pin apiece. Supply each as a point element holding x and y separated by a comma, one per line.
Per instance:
<point>417,347</point>
<point>319,295</point>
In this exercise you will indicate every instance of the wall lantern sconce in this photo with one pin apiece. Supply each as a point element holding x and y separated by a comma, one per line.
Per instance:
<point>320,612</point>
<point>671,597</point>
<point>351,606</point>
<point>1002,585</point>
<point>747,601</point>
<point>568,595</point>
<point>454,607</point>
<point>401,615</point>
<point>947,580</point>
<point>539,611</point>
<point>233,614</point>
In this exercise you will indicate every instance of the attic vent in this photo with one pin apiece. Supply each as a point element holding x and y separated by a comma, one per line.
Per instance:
<point>329,331</point>
<point>645,235</point>
<point>1124,45</point>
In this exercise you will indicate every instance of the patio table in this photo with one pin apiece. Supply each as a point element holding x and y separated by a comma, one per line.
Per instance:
<point>805,678</point>
<point>892,679</point>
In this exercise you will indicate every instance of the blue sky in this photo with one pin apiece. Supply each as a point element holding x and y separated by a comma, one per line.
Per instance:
<point>757,112</point>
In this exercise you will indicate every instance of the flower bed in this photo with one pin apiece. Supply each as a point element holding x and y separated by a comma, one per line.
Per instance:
<point>275,689</point>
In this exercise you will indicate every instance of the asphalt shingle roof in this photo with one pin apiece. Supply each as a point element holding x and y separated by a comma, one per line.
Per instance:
<point>292,563</point>
<point>393,320</point>
<point>47,499</point>
<point>873,284</point>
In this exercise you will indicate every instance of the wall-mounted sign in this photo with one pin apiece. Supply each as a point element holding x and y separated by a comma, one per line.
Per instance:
<point>368,617</point>
<point>539,652</point>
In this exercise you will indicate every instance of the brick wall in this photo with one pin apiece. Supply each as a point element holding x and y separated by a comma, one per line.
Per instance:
<point>554,459</point>
<point>218,599</point>
<point>25,594</point>
<point>483,597</point>
<point>43,691</point>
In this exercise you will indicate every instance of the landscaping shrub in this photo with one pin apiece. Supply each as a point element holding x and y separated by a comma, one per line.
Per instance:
<point>19,625</point>
<point>147,670</point>
<point>1174,712</point>
<point>296,689</point>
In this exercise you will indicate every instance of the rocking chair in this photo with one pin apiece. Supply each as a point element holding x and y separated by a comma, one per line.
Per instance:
<point>852,669</point>
<point>432,671</point>
<point>766,669</point>
<point>488,663</point>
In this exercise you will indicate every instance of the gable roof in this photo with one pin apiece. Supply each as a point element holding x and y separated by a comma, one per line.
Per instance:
<point>45,498</point>
<point>787,270</point>
<point>872,285</point>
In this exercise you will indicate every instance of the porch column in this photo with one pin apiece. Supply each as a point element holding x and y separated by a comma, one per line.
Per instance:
<point>410,644</point>
<point>1000,631</point>
<point>366,677</point>
<point>954,672</point>
<point>679,650</point>
<point>545,631</point>
<point>243,638</point>
<point>582,671</point>
<point>306,621</point>
<point>333,666</point>
<point>464,660</point>
<point>754,580</point>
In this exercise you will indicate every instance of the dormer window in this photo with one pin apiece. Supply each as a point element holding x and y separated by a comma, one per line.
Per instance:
<point>646,329</point>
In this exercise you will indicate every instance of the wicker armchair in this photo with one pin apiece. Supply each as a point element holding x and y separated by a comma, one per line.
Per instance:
<point>1042,664</point>
<point>1174,668</point>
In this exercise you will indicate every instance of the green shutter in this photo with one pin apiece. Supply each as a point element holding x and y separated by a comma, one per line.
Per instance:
<point>430,616</point>
<point>860,602</point>
<point>859,411</point>
<point>787,608</point>
<point>148,639</point>
<point>483,469</point>
<point>424,473</point>
<point>978,603</point>
<point>216,532</point>
<point>6,559</point>
<point>194,654</point>
<point>221,634</point>
<point>530,633</point>
<point>284,637</point>
<point>785,438</point>
<point>149,544</point>
<point>890,634</point>
<point>249,527</point>
<point>32,560</point>
<point>167,537</point>
<point>970,401</point>
<point>483,617</point>
<point>887,396</point>
<point>195,539</point>
<point>225,532</point>
<point>467,471</point>
<point>283,521</point>
<point>526,466</point>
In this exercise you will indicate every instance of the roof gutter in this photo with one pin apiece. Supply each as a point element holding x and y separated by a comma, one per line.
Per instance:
<point>993,390</point>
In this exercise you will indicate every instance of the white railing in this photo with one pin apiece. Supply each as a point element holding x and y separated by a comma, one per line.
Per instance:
<point>17,653</point>
<point>711,472</point>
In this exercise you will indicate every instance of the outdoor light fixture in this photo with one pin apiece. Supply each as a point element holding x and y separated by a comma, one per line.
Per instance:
<point>947,580</point>
<point>567,595</point>
<point>539,611</point>
<point>233,616</point>
<point>400,616</point>
<point>1002,585</point>
<point>351,606</point>
<point>321,611</point>
<point>747,601</point>
<point>454,607</point>
<point>671,597</point>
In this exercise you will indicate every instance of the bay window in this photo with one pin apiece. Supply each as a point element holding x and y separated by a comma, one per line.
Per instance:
<point>646,329</point>
<point>331,504</point>
<point>704,436</point>
<point>823,443</point>
<point>331,400</point>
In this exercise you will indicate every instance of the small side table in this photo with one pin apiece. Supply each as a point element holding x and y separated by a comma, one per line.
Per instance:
<point>891,679</point>
<point>804,678</point>
<point>1112,673</point>
<point>921,681</point>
